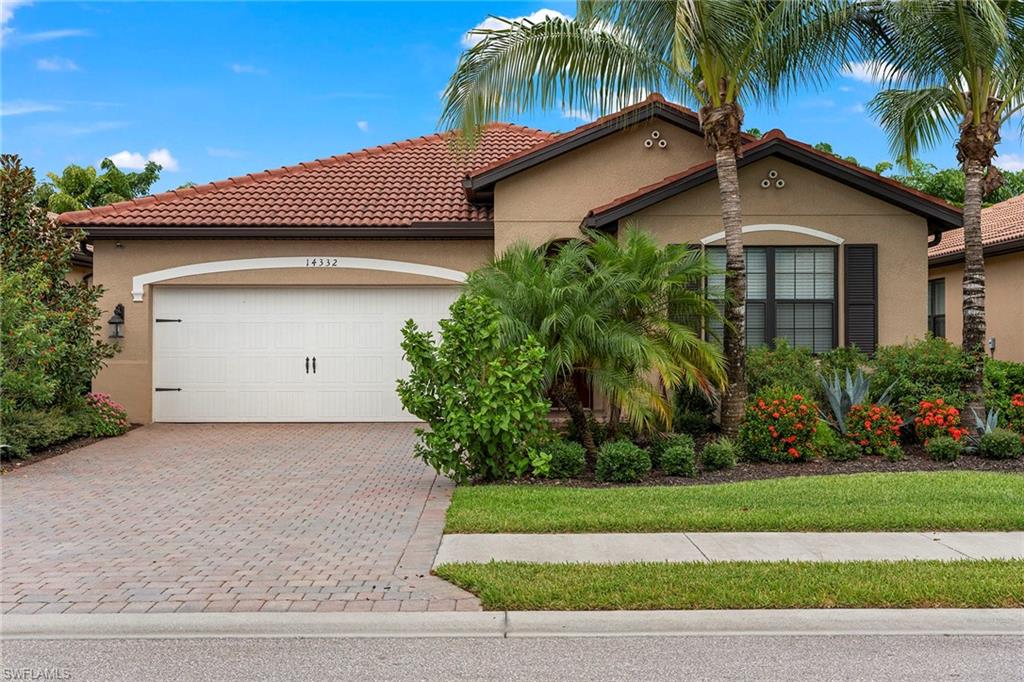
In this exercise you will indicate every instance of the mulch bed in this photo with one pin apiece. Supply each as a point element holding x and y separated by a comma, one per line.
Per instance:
<point>915,460</point>
<point>54,450</point>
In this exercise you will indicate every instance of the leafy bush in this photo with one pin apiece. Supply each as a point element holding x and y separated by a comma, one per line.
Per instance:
<point>718,454</point>
<point>679,458</point>
<point>103,416</point>
<point>1003,380</point>
<point>568,458</point>
<point>28,430</point>
<point>1001,444</point>
<point>937,418</point>
<point>840,398</point>
<point>778,426</point>
<point>1015,414</point>
<point>924,368</point>
<point>943,449</point>
<point>662,442</point>
<point>894,453</point>
<point>842,360</point>
<point>783,365</point>
<point>828,444</point>
<point>873,428</point>
<point>692,412</point>
<point>480,396</point>
<point>622,462</point>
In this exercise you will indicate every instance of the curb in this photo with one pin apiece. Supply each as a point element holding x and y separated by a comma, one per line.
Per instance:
<point>795,622</point>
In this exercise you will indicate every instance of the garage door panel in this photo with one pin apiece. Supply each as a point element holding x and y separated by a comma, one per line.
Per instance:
<point>239,353</point>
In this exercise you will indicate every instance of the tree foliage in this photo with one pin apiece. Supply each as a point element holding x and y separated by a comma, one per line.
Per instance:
<point>79,187</point>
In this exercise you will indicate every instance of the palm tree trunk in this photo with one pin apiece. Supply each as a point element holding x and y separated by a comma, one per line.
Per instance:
<point>565,393</point>
<point>735,342</point>
<point>974,288</point>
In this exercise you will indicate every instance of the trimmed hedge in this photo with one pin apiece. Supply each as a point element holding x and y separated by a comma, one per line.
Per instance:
<point>568,458</point>
<point>622,462</point>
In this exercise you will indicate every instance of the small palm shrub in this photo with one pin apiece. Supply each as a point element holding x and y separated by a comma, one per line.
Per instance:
<point>621,462</point>
<point>103,416</point>
<point>937,418</point>
<point>680,458</point>
<point>568,458</point>
<point>943,449</point>
<point>1001,444</point>
<point>873,428</point>
<point>778,426</point>
<point>718,454</point>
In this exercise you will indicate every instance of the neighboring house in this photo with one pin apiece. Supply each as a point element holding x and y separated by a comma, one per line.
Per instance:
<point>1002,238</point>
<point>81,266</point>
<point>279,296</point>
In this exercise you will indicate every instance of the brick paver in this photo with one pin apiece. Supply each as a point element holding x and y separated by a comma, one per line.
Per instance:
<point>228,517</point>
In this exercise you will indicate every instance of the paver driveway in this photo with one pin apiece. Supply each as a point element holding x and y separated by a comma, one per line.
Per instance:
<point>228,517</point>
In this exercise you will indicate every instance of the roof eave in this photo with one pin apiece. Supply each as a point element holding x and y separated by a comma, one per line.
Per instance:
<point>421,230</point>
<point>997,249</point>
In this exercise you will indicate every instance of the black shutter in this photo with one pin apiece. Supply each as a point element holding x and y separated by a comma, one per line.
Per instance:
<point>862,296</point>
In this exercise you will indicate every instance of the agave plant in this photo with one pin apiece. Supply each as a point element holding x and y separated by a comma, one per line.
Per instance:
<point>988,424</point>
<point>841,398</point>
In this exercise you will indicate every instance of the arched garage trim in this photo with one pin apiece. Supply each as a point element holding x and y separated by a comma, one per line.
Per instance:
<point>139,282</point>
<point>775,227</point>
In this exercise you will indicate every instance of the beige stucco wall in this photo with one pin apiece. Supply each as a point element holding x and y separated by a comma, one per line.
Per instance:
<point>813,201</point>
<point>1004,303</point>
<point>128,376</point>
<point>550,201</point>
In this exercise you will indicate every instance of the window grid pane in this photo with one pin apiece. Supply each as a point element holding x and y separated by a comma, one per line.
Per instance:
<point>805,273</point>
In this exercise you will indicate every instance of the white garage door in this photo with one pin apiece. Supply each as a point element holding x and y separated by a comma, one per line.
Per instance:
<point>285,354</point>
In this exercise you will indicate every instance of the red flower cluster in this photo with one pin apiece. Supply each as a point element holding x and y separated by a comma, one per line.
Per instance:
<point>109,417</point>
<point>1015,415</point>
<point>872,427</point>
<point>779,427</point>
<point>937,418</point>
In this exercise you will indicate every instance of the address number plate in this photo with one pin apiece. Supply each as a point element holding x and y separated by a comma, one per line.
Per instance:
<point>323,262</point>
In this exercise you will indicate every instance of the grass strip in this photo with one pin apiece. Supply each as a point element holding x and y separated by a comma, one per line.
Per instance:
<point>919,501</point>
<point>742,585</point>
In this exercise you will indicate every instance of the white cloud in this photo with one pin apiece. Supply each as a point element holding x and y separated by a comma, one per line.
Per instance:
<point>56,64</point>
<point>1010,162</point>
<point>845,88</point>
<point>856,108</point>
<point>46,36</point>
<point>492,23</point>
<point>225,153</point>
<point>75,130</point>
<point>7,9</point>
<point>127,160</point>
<point>871,71</point>
<point>248,69</point>
<point>363,125</point>
<point>578,114</point>
<point>21,107</point>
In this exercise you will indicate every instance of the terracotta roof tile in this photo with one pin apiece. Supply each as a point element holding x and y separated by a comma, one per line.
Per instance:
<point>1003,222</point>
<point>394,185</point>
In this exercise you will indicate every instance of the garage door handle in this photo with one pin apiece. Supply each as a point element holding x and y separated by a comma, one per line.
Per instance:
<point>307,365</point>
<point>314,364</point>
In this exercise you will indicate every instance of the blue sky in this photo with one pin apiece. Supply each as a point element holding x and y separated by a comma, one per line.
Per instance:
<point>213,90</point>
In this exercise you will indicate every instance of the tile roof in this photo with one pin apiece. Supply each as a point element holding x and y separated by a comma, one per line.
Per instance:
<point>394,185</point>
<point>774,136</point>
<point>1001,223</point>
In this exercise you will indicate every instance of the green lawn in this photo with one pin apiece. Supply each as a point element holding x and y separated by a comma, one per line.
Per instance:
<point>948,500</point>
<point>742,585</point>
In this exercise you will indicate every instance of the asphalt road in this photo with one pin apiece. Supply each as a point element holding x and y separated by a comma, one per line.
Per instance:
<point>787,658</point>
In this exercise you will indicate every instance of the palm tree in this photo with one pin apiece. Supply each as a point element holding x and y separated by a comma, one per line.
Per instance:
<point>714,53</point>
<point>953,67</point>
<point>657,291</point>
<point>573,300</point>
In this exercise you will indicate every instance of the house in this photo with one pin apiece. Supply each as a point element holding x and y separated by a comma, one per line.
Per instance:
<point>1002,238</point>
<point>278,296</point>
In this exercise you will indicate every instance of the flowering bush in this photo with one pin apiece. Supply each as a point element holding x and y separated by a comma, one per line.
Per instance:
<point>937,418</point>
<point>779,426</point>
<point>1015,415</point>
<point>105,417</point>
<point>874,428</point>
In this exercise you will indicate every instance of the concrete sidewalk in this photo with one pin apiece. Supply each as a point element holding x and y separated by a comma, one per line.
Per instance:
<point>709,547</point>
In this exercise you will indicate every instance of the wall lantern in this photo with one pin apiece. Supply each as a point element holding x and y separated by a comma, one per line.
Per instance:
<point>116,322</point>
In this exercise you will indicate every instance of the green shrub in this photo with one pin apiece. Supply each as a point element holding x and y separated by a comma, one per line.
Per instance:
<point>778,426</point>
<point>944,449</point>
<point>841,360</point>
<point>28,430</point>
<point>1003,379</point>
<point>692,412</point>
<point>830,445</point>
<point>873,428</point>
<point>894,453</point>
<point>568,458</point>
<point>680,458</point>
<point>481,397</point>
<point>663,441</point>
<point>718,454</point>
<point>622,462</point>
<point>784,365</point>
<point>1001,444</point>
<point>916,371</point>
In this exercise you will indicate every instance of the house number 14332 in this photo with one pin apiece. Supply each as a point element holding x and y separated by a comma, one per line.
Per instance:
<point>321,262</point>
